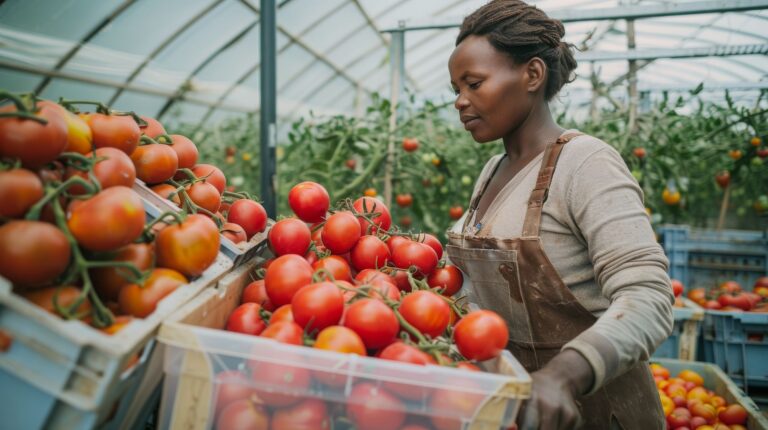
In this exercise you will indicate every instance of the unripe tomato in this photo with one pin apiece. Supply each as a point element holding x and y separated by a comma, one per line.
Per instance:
<point>756,141</point>
<point>189,247</point>
<point>109,220</point>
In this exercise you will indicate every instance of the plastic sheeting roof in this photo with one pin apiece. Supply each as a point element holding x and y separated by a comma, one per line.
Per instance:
<point>198,60</point>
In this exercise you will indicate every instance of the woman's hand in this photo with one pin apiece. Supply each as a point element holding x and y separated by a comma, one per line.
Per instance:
<point>555,389</point>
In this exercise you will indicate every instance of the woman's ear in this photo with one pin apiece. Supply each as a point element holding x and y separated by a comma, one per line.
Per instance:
<point>536,74</point>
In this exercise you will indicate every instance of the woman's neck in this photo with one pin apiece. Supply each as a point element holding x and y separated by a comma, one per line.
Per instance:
<point>532,136</point>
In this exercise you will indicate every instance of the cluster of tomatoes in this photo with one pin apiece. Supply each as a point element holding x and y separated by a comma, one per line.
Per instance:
<point>74,235</point>
<point>687,404</point>
<point>729,296</point>
<point>346,281</point>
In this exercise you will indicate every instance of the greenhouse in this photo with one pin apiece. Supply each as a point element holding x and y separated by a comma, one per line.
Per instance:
<point>392,214</point>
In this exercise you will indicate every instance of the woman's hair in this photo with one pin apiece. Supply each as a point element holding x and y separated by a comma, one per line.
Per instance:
<point>523,32</point>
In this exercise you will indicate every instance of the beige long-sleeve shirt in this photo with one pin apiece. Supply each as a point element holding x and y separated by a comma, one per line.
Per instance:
<point>598,236</point>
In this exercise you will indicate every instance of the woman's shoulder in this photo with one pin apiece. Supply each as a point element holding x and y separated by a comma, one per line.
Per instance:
<point>584,148</point>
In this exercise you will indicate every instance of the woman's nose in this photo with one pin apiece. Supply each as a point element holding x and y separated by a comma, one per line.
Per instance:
<point>461,102</point>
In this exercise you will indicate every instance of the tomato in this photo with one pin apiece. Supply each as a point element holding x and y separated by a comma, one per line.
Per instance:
<point>108,281</point>
<point>742,301</point>
<point>336,266</point>
<point>205,195</point>
<point>233,232</point>
<point>340,339</point>
<point>309,201</point>
<point>399,351</point>
<point>280,384</point>
<point>723,178</point>
<point>405,221</point>
<point>289,236</point>
<point>153,128</point>
<point>79,136</point>
<point>33,143</point>
<point>426,311</point>
<point>404,200</point>
<point>64,295</point>
<point>186,151</point>
<point>287,332</point>
<point>309,414</point>
<point>119,323</point>
<point>350,163</point>
<point>248,214</point>
<point>433,243</point>
<point>417,254</point>
<point>455,212</point>
<point>735,154</point>
<point>212,175</point>
<point>373,407</point>
<point>369,253</point>
<point>189,247</point>
<point>370,192</point>
<point>731,287</point>
<point>167,192</point>
<point>762,152</point>
<point>481,335</point>
<point>246,318</point>
<point>733,414</point>
<point>381,289</point>
<point>639,152</point>
<point>112,168</point>
<point>141,300</point>
<point>116,131</point>
<point>109,220</point>
<point>317,306</point>
<point>155,163</point>
<point>370,276</point>
<point>677,287</point>
<point>19,190</point>
<point>369,205</point>
<point>243,414</point>
<point>33,252</point>
<point>373,321</point>
<point>410,144</point>
<point>449,278</point>
<point>698,295</point>
<point>459,404</point>
<point>394,241</point>
<point>231,386</point>
<point>285,276</point>
<point>340,232</point>
<point>256,292</point>
<point>671,197</point>
<point>283,313</point>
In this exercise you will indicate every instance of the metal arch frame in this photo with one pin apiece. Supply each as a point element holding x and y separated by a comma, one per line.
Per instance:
<point>220,101</point>
<point>90,35</point>
<point>164,44</point>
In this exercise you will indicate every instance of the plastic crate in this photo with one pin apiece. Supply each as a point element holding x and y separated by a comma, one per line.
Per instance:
<point>196,351</point>
<point>717,381</point>
<point>237,252</point>
<point>705,258</point>
<point>738,343</point>
<point>682,343</point>
<point>68,375</point>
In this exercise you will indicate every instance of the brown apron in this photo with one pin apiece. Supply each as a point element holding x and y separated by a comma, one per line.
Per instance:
<point>514,278</point>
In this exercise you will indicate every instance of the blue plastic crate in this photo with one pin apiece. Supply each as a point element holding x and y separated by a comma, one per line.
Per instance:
<point>738,343</point>
<point>705,258</point>
<point>683,342</point>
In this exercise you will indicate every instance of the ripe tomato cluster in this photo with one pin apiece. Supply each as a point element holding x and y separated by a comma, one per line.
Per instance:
<point>74,234</point>
<point>688,404</point>
<point>348,281</point>
<point>729,296</point>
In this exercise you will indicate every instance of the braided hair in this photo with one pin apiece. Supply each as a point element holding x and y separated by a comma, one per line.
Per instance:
<point>523,31</point>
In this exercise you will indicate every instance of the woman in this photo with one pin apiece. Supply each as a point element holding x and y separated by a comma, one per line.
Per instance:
<point>567,256</point>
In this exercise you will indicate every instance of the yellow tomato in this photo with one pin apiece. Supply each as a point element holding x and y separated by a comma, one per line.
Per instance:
<point>691,376</point>
<point>370,192</point>
<point>668,405</point>
<point>670,197</point>
<point>735,154</point>
<point>756,141</point>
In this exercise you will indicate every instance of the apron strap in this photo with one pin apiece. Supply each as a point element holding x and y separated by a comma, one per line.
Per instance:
<point>476,198</point>
<point>532,223</point>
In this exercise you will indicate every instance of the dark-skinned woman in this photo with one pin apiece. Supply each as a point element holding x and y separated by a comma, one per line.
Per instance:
<point>556,239</point>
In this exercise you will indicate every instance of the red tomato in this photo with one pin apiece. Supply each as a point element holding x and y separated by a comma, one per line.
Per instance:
<point>20,189</point>
<point>256,292</point>
<point>205,195</point>
<point>336,266</point>
<point>455,212</point>
<point>433,243</point>
<point>370,276</point>
<point>243,414</point>
<point>481,335</point>
<point>317,306</point>
<point>79,136</point>
<point>167,192</point>
<point>153,128</point>
<point>350,163</point>
<point>449,278</point>
<point>382,289</point>
<point>677,287</point>
<point>311,257</point>
<point>733,414</point>
<point>761,286</point>
<point>141,300</point>
<point>395,241</point>
<point>309,201</point>
<point>189,247</point>
<point>33,143</point>
<point>212,175</point>
<point>341,232</point>
<point>373,321</point>
<point>466,365</point>
<point>34,252</point>
<point>373,407</point>
<point>401,280</point>
<point>246,318</point>
<point>65,296</point>
<point>399,351</point>
<point>113,168</point>
<point>283,313</point>
<point>248,214</point>
<point>233,232</point>
<point>404,200</point>
<point>460,403</point>
<point>405,221</point>
<point>417,254</point>
<point>284,332</point>
<point>426,311</point>
<point>155,163</point>
<point>369,253</point>
<point>289,236</point>
<point>285,276</point>
<point>730,287</point>
<point>310,414</point>
<point>410,144</point>
<point>370,205</point>
<point>108,281</point>
<point>232,385</point>
<point>186,151</point>
<point>109,220</point>
<point>116,131</point>
<point>279,384</point>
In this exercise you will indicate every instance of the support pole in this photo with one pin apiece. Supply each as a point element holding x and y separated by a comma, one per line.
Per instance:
<point>633,98</point>
<point>397,71</point>
<point>268,126</point>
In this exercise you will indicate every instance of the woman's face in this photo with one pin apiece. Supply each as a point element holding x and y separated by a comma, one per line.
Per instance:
<point>492,92</point>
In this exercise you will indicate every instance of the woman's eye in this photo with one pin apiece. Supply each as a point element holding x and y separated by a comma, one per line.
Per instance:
<point>474,85</point>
